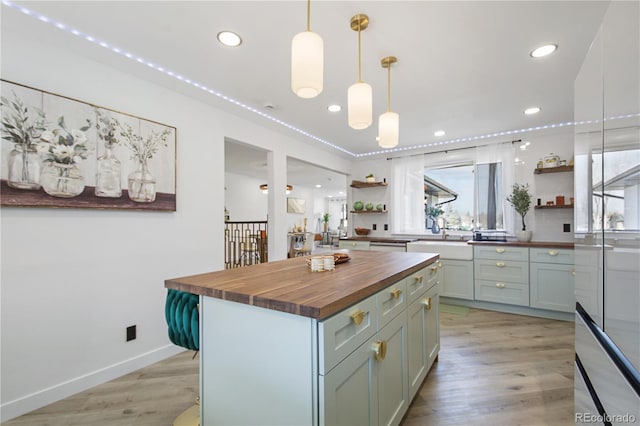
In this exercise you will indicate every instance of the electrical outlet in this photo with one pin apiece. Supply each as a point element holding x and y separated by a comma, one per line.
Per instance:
<point>386,227</point>
<point>375,227</point>
<point>566,227</point>
<point>131,333</point>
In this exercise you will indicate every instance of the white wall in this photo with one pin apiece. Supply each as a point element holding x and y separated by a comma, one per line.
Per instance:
<point>72,279</point>
<point>244,198</point>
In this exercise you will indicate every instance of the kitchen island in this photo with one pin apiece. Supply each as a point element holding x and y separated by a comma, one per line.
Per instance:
<point>283,345</point>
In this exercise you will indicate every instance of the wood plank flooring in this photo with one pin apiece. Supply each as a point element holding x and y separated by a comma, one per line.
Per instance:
<point>493,369</point>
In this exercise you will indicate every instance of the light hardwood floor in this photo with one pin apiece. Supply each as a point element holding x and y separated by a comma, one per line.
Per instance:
<point>493,369</point>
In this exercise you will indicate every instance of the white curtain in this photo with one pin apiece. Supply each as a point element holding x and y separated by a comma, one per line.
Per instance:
<point>407,195</point>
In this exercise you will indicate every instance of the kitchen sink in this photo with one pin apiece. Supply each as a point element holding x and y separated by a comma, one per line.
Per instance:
<point>457,250</point>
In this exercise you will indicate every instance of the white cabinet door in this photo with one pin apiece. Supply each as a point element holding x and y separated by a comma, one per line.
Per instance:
<point>393,388</point>
<point>457,278</point>
<point>432,304</point>
<point>552,287</point>
<point>349,392</point>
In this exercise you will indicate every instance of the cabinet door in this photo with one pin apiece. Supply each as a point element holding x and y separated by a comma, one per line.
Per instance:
<point>349,393</point>
<point>424,337</point>
<point>393,388</point>
<point>457,279</point>
<point>552,287</point>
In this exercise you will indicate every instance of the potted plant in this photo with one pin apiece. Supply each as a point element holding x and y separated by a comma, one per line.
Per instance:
<point>520,199</point>
<point>370,178</point>
<point>325,220</point>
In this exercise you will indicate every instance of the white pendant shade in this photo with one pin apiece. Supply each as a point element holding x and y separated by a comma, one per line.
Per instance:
<point>388,129</point>
<point>307,64</point>
<point>359,103</point>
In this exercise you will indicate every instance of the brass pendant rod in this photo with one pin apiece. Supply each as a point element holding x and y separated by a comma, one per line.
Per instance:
<point>389,90</point>
<point>359,58</point>
<point>308,15</point>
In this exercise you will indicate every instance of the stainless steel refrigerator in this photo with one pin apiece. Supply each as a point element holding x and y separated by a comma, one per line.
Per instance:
<point>607,222</point>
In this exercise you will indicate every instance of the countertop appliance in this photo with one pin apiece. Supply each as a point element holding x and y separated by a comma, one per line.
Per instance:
<point>607,223</point>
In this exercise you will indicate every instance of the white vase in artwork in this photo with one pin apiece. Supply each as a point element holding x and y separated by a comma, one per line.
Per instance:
<point>62,180</point>
<point>24,168</point>
<point>142,184</point>
<point>108,175</point>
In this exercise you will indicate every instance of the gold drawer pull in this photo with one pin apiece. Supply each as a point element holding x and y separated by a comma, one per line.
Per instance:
<point>553,252</point>
<point>500,264</point>
<point>427,303</point>
<point>354,244</point>
<point>500,250</point>
<point>418,278</point>
<point>573,272</point>
<point>434,268</point>
<point>357,317</point>
<point>379,349</point>
<point>395,293</point>
<point>500,285</point>
<point>439,264</point>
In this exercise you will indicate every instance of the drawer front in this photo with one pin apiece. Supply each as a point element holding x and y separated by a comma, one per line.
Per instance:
<point>390,302</point>
<point>502,292</point>
<point>434,273</point>
<point>551,255</point>
<point>416,285</point>
<point>354,245</point>
<point>500,270</point>
<point>341,334</point>
<point>501,253</point>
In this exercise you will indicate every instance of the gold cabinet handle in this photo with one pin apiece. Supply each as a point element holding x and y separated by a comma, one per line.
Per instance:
<point>500,250</point>
<point>357,317</point>
<point>500,285</point>
<point>553,252</point>
<point>434,268</point>
<point>395,293</point>
<point>379,349</point>
<point>439,264</point>
<point>418,278</point>
<point>427,303</point>
<point>573,272</point>
<point>500,264</point>
<point>353,244</point>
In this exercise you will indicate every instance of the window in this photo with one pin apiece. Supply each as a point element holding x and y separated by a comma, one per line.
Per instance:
<point>469,195</point>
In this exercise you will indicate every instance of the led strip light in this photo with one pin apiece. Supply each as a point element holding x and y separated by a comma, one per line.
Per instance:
<point>204,88</point>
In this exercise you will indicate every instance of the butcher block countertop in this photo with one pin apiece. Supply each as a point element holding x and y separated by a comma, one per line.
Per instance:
<point>534,244</point>
<point>290,286</point>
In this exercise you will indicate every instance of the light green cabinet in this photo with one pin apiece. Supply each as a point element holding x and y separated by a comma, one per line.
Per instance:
<point>501,274</point>
<point>354,245</point>
<point>365,373</point>
<point>457,278</point>
<point>552,279</point>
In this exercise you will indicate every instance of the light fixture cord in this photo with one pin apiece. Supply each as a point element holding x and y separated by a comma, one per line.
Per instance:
<point>308,15</point>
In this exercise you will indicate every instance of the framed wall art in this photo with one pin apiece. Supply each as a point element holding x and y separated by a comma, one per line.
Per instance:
<point>62,152</point>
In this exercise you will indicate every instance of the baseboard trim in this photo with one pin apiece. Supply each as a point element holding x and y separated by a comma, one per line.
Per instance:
<point>28,403</point>
<point>510,309</point>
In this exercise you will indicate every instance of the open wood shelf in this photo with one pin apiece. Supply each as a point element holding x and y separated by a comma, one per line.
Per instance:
<point>368,211</point>
<point>361,184</point>
<point>558,169</point>
<point>566,206</point>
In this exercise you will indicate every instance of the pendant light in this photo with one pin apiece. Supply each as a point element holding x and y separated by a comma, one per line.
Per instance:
<point>307,61</point>
<point>359,95</point>
<point>389,122</point>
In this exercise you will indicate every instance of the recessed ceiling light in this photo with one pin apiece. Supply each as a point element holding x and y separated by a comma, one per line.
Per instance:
<point>318,186</point>
<point>334,108</point>
<point>532,110</point>
<point>439,133</point>
<point>229,38</point>
<point>543,50</point>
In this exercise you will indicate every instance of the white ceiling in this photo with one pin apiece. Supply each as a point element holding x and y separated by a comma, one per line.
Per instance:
<point>463,67</point>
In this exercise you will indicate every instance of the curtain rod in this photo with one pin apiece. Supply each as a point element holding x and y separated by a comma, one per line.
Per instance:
<point>456,149</point>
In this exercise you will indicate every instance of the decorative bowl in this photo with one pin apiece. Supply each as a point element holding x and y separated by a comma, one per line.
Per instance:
<point>362,231</point>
